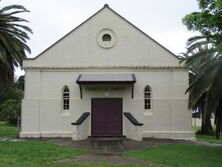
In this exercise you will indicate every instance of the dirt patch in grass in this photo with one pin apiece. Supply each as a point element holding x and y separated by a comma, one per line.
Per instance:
<point>107,158</point>
<point>97,146</point>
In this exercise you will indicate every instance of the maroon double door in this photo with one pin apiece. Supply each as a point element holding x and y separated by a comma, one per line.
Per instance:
<point>106,117</point>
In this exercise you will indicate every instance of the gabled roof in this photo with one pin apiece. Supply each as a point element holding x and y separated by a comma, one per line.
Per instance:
<point>105,6</point>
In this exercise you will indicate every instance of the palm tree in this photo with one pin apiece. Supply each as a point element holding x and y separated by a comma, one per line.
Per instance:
<point>205,61</point>
<point>194,63</point>
<point>13,38</point>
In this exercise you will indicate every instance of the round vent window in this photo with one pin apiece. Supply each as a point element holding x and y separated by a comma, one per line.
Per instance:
<point>106,38</point>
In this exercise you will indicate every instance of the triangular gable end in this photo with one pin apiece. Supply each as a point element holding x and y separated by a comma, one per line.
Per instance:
<point>125,20</point>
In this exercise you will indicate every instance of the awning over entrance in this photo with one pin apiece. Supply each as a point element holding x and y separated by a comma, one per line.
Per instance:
<point>106,79</point>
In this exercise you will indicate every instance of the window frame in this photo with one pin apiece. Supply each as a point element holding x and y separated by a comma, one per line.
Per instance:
<point>147,98</point>
<point>65,98</point>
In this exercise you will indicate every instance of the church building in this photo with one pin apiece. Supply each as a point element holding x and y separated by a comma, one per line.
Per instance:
<point>106,78</point>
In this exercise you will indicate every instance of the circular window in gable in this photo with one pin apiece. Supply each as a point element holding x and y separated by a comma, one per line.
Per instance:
<point>106,38</point>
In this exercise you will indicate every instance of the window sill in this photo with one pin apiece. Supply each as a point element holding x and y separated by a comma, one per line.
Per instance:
<point>65,113</point>
<point>148,112</point>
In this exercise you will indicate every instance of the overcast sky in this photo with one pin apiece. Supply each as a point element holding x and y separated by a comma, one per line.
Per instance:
<point>161,19</point>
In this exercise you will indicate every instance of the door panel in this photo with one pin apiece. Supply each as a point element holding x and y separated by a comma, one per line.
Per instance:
<point>98,116</point>
<point>107,117</point>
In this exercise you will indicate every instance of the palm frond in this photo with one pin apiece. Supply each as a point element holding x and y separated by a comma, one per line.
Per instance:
<point>13,7</point>
<point>13,37</point>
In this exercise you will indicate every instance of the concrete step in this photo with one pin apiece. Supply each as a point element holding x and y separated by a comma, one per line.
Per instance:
<point>107,138</point>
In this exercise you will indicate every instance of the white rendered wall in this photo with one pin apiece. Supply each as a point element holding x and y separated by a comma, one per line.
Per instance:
<point>42,113</point>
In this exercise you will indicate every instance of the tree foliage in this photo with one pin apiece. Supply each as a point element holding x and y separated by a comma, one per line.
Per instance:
<point>13,38</point>
<point>208,21</point>
<point>10,101</point>
<point>195,59</point>
<point>10,110</point>
<point>207,82</point>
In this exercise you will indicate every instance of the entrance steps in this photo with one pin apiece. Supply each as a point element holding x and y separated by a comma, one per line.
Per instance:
<point>107,138</point>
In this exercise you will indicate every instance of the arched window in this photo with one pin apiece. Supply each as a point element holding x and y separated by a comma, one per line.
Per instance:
<point>147,98</point>
<point>65,97</point>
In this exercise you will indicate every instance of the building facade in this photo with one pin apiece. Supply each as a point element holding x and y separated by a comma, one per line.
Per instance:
<point>106,78</point>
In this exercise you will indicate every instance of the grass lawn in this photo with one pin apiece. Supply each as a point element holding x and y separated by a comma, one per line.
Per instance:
<point>181,155</point>
<point>43,154</point>
<point>7,130</point>
<point>210,139</point>
<point>206,138</point>
<point>32,153</point>
<point>38,154</point>
<point>196,128</point>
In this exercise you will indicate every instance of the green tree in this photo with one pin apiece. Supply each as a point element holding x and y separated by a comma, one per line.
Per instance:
<point>11,92</point>
<point>10,110</point>
<point>199,54</point>
<point>13,38</point>
<point>10,103</point>
<point>208,21</point>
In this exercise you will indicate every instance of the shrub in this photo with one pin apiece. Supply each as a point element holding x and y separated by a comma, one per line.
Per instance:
<point>10,110</point>
<point>10,103</point>
<point>209,132</point>
<point>10,93</point>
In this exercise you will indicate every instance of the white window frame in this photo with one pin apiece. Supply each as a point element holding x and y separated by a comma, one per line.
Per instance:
<point>65,98</point>
<point>147,100</point>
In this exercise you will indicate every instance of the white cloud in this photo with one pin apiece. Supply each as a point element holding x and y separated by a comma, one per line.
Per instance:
<point>174,41</point>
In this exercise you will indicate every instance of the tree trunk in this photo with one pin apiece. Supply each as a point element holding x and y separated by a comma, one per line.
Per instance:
<point>218,119</point>
<point>206,127</point>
